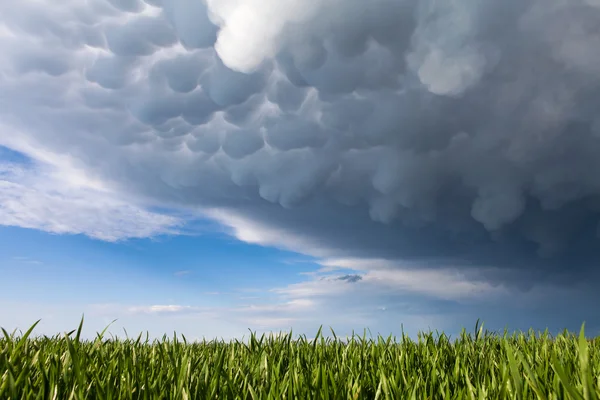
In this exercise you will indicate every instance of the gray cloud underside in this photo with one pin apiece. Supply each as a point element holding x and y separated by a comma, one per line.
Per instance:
<point>458,132</point>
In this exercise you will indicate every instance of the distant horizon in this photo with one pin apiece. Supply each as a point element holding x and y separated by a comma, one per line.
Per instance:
<point>322,332</point>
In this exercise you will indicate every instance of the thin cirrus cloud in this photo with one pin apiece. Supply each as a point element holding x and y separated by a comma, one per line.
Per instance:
<point>457,134</point>
<point>40,196</point>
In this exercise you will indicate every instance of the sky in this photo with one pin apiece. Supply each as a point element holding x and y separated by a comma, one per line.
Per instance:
<point>213,166</point>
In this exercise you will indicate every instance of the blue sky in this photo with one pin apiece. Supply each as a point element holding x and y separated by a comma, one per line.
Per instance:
<point>200,269</point>
<point>205,271</point>
<point>209,167</point>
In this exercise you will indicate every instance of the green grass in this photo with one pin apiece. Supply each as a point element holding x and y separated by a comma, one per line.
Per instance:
<point>476,366</point>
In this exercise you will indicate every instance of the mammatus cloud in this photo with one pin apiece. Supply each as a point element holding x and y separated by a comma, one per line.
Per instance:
<point>457,134</point>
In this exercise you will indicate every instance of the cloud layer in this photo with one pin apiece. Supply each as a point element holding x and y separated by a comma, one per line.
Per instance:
<point>44,198</point>
<point>457,133</point>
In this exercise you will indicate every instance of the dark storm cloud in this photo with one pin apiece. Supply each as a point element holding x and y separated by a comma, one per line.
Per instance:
<point>458,132</point>
<point>350,278</point>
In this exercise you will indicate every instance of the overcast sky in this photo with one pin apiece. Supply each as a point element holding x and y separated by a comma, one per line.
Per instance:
<point>209,166</point>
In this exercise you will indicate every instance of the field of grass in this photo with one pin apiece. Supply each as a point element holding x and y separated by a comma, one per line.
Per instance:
<point>482,365</point>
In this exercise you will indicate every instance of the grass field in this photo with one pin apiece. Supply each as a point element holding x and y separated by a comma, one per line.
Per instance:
<point>482,365</point>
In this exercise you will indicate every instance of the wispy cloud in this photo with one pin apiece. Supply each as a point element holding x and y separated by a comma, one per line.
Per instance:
<point>27,260</point>
<point>255,232</point>
<point>164,309</point>
<point>57,200</point>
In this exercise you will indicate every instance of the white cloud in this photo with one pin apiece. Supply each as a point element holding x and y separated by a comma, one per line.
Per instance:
<point>267,323</point>
<point>162,309</point>
<point>62,201</point>
<point>291,306</point>
<point>255,232</point>
<point>443,282</point>
<point>251,29</point>
<point>27,260</point>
